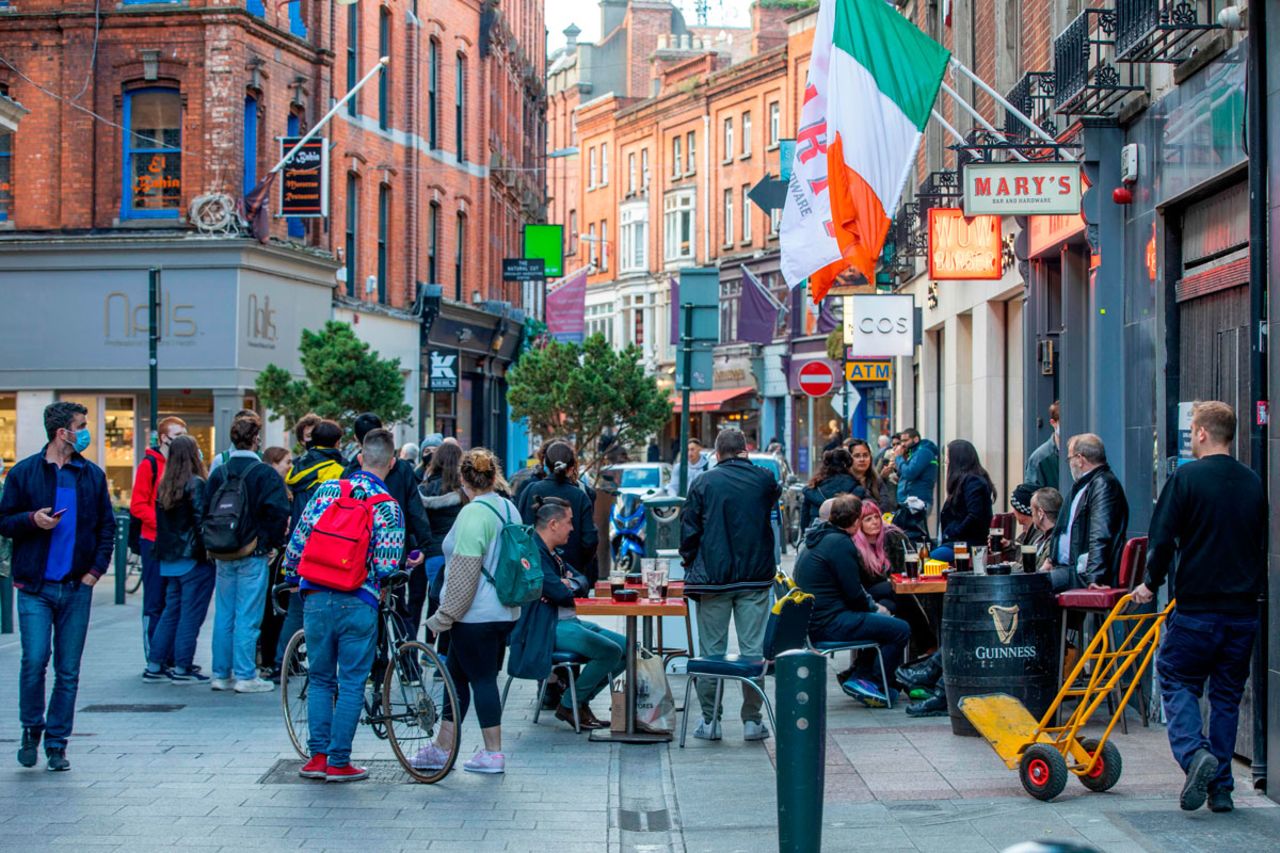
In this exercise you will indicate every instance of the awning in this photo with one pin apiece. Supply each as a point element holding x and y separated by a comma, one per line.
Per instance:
<point>711,401</point>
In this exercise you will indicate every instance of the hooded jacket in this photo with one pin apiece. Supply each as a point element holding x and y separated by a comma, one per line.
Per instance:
<point>815,496</point>
<point>318,465</point>
<point>829,569</point>
<point>726,534</point>
<point>918,473</point>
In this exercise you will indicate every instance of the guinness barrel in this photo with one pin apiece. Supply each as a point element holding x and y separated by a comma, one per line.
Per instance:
<point>999,635</point>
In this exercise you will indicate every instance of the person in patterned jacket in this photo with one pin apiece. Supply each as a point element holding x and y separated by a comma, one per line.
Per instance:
<point>342,627</point>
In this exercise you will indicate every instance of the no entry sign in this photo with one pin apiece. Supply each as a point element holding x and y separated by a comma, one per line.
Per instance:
<point>817,379</point>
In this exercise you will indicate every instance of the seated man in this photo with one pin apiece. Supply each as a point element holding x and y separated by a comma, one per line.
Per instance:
<point>1046,506</point>
<point>1090,535</point>
<point>831,571</point>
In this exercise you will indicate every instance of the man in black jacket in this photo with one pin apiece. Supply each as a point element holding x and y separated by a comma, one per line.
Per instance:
<point>57,510</point>
<point>1091,530</point>
<point>727,549</point>
<point>1212,516</point>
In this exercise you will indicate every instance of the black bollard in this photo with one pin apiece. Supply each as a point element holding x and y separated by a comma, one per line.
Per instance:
<point>801,678</point>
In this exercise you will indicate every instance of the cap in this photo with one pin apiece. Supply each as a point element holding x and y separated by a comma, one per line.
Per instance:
<point>435,439</point>
<point>1020,500</point>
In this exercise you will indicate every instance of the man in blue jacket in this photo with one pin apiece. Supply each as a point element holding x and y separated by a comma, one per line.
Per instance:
<point>57,510</point>
<point>917,463</point>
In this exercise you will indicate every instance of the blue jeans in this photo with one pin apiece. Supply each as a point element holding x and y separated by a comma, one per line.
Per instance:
<point>53,620</point>
<point>603,650</point>
<point>1197,647</point>
<point>342,634</point>
<point>241,593</point>
<point>153,597</point>
<point>186,602</point>
<point>291,625</point>
<point>888,632</point>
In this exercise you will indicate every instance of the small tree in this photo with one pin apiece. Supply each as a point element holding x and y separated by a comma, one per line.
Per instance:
<point>343,378</point>
<point>567,390</point>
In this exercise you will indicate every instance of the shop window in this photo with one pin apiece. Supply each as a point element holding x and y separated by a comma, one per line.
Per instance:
<point>250,143</point>
<point>433,244</point>
<point>6,175</point>
<point>433,94</point>
<point>297,226</point>
<point>118,444</point>
<point>152,156</point>
<point>353,224</point>
<point>8,429</point>
<point>353,57</point>
<point>384,79</point>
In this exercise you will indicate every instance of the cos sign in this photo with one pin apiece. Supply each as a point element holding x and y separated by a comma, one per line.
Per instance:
<point>881,326</point>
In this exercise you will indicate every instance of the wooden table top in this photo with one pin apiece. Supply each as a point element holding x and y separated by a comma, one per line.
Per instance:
<point>922,586</point>
<point>675,589</point>
<point>643,607</point>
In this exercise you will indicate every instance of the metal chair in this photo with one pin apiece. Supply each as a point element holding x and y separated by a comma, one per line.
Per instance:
<point>829,649</point>
<point>787,629</point>
<point>565,662</point>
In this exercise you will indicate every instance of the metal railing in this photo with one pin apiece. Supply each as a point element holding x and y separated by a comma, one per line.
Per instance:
<point>1160,30</point>
<point>1033,97</point>
<point>1086,80</point>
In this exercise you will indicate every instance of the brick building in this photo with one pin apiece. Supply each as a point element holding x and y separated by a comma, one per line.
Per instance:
<point>149,119</point>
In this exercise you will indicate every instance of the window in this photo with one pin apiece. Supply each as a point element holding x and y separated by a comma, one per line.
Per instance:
<point>152,154</point>
<point>457,256</point>
<point>631,172</point>
<point>573,233</point>
<point>644,168</point>
<point>775,123</point>
<point>433,244</point>
<point>297,226</point>
<point>353,228</point>
<point>728,140</point>
<point>384,211</point>
<point>677,225</point>
<point>600,321</point>
<point>746,214</point>
<point>250,143</point>
<point>6,175</point>
<point>353,52</point>
<point>459,108</point>
<point>729,310</point>
<point>255,7</point>
<point>604,245</point>
<point>633,238</point>
<point>775,221</point>
<point>592,245</point>
<point>677,158</point>
<point>433,93</point>
<point>384,81</point>
<point>604,164</point>
<point>728,217</point>
<point>689,144</point>
<point>593,168</point>
<point>746,135</point>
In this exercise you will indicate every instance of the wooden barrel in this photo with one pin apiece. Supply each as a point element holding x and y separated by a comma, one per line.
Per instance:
<point>999,635</point>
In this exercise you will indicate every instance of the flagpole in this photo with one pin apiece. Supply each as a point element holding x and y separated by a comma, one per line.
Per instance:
<point>937,116</point>
<point>977,116</point>
<point>1000,99</point>
<point>382,64</point>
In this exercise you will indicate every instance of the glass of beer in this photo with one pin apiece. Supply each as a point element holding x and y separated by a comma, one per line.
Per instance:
<point>663,571</point>
<point>995,540</point>
<point>617,579</point>
<point>961,556</point>
<point>1029,559</point>
<point>911,564</point>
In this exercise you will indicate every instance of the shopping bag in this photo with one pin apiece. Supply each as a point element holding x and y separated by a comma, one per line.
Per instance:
<point>618,706</point>
<point>655,707</point>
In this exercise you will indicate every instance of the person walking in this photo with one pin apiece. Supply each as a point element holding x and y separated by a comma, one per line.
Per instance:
<point>56,508</point>
<point>1042,465</point>
<point>916,464</point>
<point>246,519</point>
<point>181,500</point>
<point>1091,531</point>
<point>834,477</point>
<point>341,625</point>
<point>471,613</point>
<point>699,464</point>
<point>967,512</point>
<point>1209,531</point>
<point>142,512</point>
<point>727,550</point>
<point>579,551</point>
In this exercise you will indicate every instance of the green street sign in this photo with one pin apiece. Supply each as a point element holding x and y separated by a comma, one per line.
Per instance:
<point>546,242</point>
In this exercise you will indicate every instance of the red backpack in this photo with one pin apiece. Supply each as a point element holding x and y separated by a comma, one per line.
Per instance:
<point>336,555</point>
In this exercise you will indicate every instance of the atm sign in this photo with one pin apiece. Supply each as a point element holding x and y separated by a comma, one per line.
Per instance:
<point>869,371</point>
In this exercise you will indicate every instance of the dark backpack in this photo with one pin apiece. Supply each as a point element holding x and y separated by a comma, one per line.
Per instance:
<point>229,532</point>
<point>517,577</point>
<point>135,523</point>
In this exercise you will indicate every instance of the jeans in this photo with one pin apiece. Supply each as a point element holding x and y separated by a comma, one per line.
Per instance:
<point>53,620</point>
<point>603,650</point>
<point>750,612</point>
<point>153,597</point>
<point>240,591</point>
<point>186,602</point>
<point>475,655</point>
<point>342,635</point>
<point>292,624</point>
<point>1197,647</point>
<point>888,632</point>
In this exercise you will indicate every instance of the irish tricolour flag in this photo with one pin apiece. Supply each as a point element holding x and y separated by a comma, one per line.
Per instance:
<point>873,78</point>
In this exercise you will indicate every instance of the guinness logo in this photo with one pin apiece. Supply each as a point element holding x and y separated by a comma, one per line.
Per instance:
<point>1005,620</point>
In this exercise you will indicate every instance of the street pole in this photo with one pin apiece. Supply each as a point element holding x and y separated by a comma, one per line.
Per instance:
<point>801,738</point>
<point>153,338</point>
<point>813,455</point>
<point>844,374</point>
<point>686,370</point>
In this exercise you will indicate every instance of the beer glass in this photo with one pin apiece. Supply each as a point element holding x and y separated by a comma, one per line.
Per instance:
<point>1029,559</point>
<point>995,540</point>
<point>663,570</point>
<point>961,557</point>
<point>911,564</point>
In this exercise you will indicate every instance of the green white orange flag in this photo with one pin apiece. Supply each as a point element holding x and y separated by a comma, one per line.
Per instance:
<point>873,78</point>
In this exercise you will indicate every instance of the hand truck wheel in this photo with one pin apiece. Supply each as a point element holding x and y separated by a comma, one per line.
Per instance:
<point>1043,771</point>
<point>1106,771</point>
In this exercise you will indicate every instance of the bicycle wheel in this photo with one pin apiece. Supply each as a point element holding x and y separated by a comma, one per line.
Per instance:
<point>415,690</point>
<point>293,693</point>
<point>133,573</point>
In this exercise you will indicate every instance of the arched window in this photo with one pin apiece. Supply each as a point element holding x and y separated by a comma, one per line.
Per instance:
<point>152,154</point>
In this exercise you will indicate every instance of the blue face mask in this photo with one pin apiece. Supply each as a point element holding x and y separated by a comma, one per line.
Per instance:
<point>83,439</point>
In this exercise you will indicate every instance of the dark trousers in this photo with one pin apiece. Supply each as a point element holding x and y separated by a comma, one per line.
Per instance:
<point>54,620</point>
<point>186,605</point>
<point>292,624</point>
<point>153,584</point>
<point>476,650</point>
<point>1200,647</point>
<point>888,632</point>
<point>410,599</point>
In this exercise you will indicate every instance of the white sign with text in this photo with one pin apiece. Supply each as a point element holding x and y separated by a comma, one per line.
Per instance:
<point>879,326</point>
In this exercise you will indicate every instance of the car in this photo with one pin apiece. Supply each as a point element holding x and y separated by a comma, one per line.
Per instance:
<point>640,478</point>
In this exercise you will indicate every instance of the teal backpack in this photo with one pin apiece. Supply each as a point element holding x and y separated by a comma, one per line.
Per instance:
<point>517,578</point>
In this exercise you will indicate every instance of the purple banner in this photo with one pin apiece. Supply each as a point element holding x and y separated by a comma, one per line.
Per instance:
<point>757,311</point>
<point>566,308</point>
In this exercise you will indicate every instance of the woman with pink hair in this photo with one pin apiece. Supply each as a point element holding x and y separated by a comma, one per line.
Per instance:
<point>880,546</point>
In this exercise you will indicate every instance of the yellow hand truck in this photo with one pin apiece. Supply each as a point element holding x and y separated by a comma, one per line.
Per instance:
<point>1044,754</point>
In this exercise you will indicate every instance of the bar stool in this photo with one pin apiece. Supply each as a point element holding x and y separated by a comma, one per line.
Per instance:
<point>565,662</point>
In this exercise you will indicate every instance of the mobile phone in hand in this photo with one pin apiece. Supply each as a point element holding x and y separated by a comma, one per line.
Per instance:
<point>57,513</point>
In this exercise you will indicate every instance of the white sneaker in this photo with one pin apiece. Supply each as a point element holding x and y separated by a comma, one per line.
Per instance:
<point>485,761</point>
<point>754,731</point>
<point>430,757</point>
<point>254,685</point>
<point>707,731</point>
<point>222,683</point>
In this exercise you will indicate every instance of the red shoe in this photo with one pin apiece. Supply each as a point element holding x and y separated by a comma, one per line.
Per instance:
<point>315,768</point>
<point>349,773</point>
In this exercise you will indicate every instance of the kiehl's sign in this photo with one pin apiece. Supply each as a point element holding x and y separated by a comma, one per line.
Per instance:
<point>1021,189</point>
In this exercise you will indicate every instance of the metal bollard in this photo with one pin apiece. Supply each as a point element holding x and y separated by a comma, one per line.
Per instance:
<point>121,555</point>
<point>801,678</point>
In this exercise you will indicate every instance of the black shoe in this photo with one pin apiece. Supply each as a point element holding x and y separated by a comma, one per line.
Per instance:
<point>29,751</point>
<point>1203,767</point>
<point>923,674</point>
<point>57,759</point>
<point>934,706</point>
<point>1220,801</point>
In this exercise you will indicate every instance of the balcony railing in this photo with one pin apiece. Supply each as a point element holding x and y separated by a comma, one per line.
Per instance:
<point>1160,30</point>
<point>1087,81</point>
<point>1033,97</point>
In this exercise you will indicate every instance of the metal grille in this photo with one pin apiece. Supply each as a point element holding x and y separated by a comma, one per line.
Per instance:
<point>141,708</point>
<point>1086,79</point>
<point>1033,97</point>
<point>1160,30</point>
<point>383,771</point>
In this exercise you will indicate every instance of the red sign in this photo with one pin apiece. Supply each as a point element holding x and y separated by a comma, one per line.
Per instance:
<point>964,249</point>
<point>817,379</point>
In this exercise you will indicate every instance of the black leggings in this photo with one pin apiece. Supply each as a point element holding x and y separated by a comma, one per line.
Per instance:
<point>475,656</point>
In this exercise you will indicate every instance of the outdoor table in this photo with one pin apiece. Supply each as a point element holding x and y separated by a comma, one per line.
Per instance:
<point>926,593</point>
<point>675,589</point>
<point>630,611</point>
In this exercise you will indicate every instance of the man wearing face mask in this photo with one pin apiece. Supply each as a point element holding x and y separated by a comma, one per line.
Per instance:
<point>1042,465</point>
<point>1090,533</point>
<point>142,524</point>
<point>57,510</point>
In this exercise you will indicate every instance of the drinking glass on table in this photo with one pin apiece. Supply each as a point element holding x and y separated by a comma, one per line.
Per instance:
<point>961,552</point>
<point>1029,559</point>
<point>617,579</point>
<point>664,575</point>
<point>654,581</point>
<point>980,559</point>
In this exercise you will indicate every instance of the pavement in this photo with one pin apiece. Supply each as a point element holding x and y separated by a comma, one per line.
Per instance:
<point>165,767</point>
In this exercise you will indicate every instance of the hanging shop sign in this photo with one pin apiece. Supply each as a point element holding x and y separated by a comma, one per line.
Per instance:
<point>1046,233</point>
<point>964,248</point>
<point>442,370</point>
<point>304,180</point>
<point>545,242</point>
<point>524,269</point>
<point>880,325</point>
<point>1021,189</point>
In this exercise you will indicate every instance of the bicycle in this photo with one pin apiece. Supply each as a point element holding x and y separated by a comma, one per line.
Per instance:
<point>133,573</point>
<point>405,712</point>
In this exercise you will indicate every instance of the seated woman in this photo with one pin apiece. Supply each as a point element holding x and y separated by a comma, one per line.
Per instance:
<point>967,513</point>
<point>831,570</point>
<point>880,546</point>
